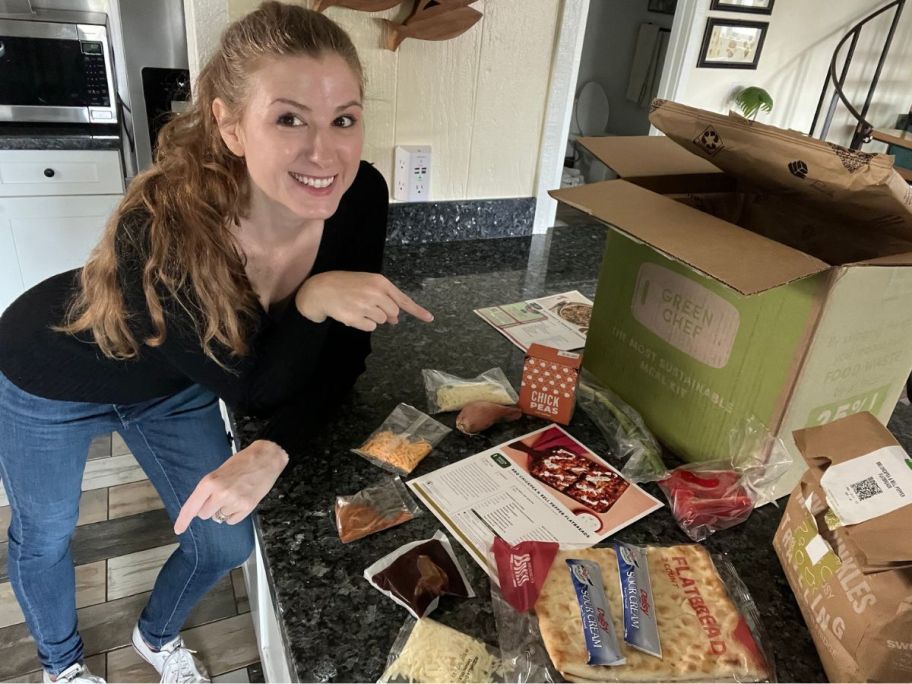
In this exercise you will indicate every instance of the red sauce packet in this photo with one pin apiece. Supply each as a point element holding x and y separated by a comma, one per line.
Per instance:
<point>522,570</point>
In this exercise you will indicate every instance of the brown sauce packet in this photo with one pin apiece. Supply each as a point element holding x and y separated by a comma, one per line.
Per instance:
<point>417,574</point>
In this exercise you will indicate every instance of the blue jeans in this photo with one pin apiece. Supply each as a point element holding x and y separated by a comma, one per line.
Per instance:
<point>43,449</point>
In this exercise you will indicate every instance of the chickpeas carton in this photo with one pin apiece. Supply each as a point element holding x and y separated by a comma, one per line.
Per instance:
<point>549,379</point>
<point>753,274</point>
<point>845,544</point>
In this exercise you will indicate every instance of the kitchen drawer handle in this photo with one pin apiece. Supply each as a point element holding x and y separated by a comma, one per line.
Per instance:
<point>49,173</point>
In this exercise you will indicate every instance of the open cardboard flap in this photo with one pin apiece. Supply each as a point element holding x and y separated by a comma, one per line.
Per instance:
<point>884,542</point>
<point>640,156</point>
<point>711,245</point>
<point>845,186</point>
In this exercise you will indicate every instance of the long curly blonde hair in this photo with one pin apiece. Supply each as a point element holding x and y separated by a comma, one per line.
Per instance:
<point>192,196</point>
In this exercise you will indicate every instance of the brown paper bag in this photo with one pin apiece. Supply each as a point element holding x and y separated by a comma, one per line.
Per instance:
<point>838,184</point>
<point>854,583</point>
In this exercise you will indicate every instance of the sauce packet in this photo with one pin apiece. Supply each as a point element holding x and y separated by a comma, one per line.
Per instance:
<point>375,508</point>
<point>417,574</point>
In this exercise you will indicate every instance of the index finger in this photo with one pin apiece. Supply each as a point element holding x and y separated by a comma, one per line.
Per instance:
<point>190,508</point>
<point>409,305</point>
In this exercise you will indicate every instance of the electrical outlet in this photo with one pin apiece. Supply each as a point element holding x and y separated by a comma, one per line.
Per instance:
<point>412,173</point>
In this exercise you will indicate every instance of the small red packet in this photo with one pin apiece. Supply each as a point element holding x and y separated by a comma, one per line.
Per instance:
<point>522,570</point>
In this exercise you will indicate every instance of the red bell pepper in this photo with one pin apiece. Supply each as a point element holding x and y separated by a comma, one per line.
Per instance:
<point>706,501</point>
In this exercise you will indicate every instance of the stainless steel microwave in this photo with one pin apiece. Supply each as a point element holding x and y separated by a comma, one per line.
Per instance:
<point>56,73</point>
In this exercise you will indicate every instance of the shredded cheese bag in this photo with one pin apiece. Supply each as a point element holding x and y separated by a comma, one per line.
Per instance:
<point>455,397</point>
<point>395,450</point>
<point>436,653</point>
<point>403,440</point>
<point>447,392</point>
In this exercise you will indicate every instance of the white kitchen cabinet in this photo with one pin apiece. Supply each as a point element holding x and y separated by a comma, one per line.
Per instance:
<point>45,228</point>
<point>27,173</point>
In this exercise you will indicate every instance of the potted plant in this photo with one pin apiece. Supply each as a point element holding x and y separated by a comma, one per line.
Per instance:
<point>752,100</point>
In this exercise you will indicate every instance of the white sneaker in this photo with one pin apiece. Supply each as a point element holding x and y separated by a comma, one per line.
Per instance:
<point>77,673</point>
<point>173,662</point>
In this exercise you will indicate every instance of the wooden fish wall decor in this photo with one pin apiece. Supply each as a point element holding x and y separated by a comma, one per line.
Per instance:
<point>429,20</point>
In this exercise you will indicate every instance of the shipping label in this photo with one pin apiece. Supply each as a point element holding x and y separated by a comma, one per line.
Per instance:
<point>869,486</point>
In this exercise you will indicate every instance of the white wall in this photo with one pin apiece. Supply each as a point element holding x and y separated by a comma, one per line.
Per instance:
<point>611,33</point>
<point>478,100</point>
<point>796,55</point>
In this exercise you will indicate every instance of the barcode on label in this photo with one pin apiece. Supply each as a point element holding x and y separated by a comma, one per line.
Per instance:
<point>866,488</point>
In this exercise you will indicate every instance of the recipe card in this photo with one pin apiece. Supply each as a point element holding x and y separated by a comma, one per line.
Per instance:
<point>543,486</point>
<point>560,321</point>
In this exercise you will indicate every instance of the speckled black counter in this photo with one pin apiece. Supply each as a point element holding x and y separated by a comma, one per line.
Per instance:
<point>337,627</point>
<point>416,222</point>
<point>24,137</point>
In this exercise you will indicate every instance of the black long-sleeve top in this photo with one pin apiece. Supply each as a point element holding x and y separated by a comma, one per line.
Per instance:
<point>294,371</point>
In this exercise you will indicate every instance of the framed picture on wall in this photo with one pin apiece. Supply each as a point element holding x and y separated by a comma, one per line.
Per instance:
<point>752,6</point>
<point>732,44</point>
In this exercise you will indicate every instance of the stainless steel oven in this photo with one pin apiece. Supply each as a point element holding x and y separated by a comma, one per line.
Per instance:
<point>54,72</point>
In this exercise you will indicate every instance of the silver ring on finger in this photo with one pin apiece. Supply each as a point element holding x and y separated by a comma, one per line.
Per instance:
<point>219,516</point>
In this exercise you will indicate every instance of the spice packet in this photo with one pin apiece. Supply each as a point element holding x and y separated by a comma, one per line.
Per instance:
<point>446,392</point>
<point>417,574</point>
<point>641,630</point>
<point>402,440</point>
<point>428,651</point>
<point>375,508</point>
<point>598,630</point>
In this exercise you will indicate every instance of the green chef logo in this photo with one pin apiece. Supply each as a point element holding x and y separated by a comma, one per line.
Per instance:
<point>683,313</point>
<point>501,460</point>
<point>686,314</point>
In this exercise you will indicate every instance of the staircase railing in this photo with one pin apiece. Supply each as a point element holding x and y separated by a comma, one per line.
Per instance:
<point>863,128</point>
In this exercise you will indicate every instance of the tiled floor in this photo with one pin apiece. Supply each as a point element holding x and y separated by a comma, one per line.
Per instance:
<point>122,539</point>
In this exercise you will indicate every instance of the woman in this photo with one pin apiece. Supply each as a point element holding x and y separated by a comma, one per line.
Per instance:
<point>243,266</point>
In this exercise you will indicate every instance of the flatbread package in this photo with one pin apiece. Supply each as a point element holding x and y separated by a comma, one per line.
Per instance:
<point>704,636</point>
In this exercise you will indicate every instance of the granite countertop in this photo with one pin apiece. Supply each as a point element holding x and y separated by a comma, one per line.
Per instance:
<point>339,628</point>
<point>31,137</point>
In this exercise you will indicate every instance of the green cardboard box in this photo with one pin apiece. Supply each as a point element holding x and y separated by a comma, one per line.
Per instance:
<point>700,323</point>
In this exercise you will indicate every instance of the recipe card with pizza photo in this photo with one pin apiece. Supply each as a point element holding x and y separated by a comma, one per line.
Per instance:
<point>543,486</point>
<point>560,321</point>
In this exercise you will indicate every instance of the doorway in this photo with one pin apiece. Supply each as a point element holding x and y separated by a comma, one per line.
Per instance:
<point>597,43</point>
<point>621,64</point>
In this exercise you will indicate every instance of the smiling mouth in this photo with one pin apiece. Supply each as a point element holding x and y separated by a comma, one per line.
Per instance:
<point>317,182</point>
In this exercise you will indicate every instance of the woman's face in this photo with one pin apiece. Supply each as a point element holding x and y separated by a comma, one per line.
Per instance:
<point>300,133</point>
